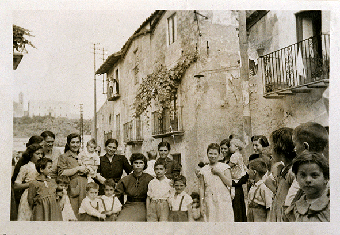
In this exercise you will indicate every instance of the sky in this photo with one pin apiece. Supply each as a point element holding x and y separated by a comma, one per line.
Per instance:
<point>61,67</point>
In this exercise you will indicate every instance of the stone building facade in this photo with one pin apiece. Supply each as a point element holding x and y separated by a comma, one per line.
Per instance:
<point>207,104</point>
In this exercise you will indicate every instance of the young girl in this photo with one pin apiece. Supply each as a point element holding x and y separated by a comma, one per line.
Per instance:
<point>312,174</point>
<point>63,199</point>
<point>91,207</point>
<point>215,181</point>
<point>259,197</point>
<point>180,202</point>
<point>196,209</point>
<point>111,203</point>
<point>42,194</point>
<point>27,174</point>
<point>240,177</point>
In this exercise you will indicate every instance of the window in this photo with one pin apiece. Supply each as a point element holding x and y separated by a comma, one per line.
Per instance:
<point>172,29</point>
<point>117,82</point>
<point>308,24</point>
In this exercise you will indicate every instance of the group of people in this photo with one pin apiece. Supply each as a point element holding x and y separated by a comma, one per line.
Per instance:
<point>285,179</point>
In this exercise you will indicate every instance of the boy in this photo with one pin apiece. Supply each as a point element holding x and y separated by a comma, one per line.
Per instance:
<point>91,207</point>
<point>180,202</point>
<point>312,137</point>
<point>111,203</point>
<point>159,190</point>
<point>90,159</point>
<point>259,197</point>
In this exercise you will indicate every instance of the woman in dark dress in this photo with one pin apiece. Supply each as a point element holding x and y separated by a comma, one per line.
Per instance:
<point>112,165</point>
<point>135,186</point>
<point>239,205</point>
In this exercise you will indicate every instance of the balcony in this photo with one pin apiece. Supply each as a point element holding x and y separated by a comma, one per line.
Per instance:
<point>297,68</point>
<point>133,132</point>
<point>113,90</point>
<point>166,124</point>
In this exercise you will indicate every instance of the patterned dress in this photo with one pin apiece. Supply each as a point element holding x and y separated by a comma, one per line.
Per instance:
<point>27,174</point>
<point>42,197</point>
<point>78,181</point>
<point>217,195</point>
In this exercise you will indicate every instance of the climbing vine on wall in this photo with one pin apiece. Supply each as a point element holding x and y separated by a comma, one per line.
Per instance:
<point>162,84</point>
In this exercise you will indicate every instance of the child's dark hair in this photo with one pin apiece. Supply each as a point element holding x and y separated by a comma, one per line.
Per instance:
<point>35,139</point>
<point>283,143</point>
<point>312,133</point>
<point>139,156</point>
<point>213,146</point>
<point>91,185</point>
<point>195,195</point>
<point>259,165</point>
<point>180,178</point>
<point>311,157</point>
<point>63,179</point>
<point>164,144</point>
<point>261,139</point>
<point>110,183</point>
<point>151,156</point>
<point>160,161</point>
<point>42,163</point>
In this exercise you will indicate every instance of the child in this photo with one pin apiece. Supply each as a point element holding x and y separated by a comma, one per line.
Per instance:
<point>240,178</point>
<point>215,181</point>
<point>282,175</point>
<point>90,159</point>
<point>180,202</point>
<point>259,197</point>
<point>196,209</point>
<point>237,166</point>
<point>159,190</point>
<point>42,194</point>
<point>151,163</point>
<point>63,199</point>
<point>311,137</point>
<point>111,203</point>
<point>91,207</point>
<point>312,174</point>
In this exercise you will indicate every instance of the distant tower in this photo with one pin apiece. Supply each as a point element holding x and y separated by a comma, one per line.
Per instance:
<point>21,104</point>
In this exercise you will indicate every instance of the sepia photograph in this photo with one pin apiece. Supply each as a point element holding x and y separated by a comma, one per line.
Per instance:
<point>216,118</point>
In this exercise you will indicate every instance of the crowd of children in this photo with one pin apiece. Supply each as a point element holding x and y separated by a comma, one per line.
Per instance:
<point>290,184</point>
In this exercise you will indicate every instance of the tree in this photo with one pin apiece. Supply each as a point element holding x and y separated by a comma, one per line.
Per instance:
<point>19,40</point>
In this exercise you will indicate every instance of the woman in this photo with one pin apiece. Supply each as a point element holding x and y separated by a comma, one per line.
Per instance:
<point>50,151</point>
<point>68,165</point>
<point>27,174</point>
<point>135,186</point>
<point>112,164</point>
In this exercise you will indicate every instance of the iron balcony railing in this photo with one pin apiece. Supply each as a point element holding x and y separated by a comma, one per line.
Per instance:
<point>133,131</point>
<point>297,65</point>
<point>165,122</point>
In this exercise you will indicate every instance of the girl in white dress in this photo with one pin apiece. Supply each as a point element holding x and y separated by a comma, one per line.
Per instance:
<point>27,174</point>
<point>215,181</point>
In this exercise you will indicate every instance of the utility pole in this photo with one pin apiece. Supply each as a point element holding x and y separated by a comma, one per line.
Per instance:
<point>81,126</point>
<point>244,73</point>
<point>95,92</point>
<point>103,73</point>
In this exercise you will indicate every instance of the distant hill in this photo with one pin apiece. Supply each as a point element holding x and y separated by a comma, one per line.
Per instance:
<point>25,127</point>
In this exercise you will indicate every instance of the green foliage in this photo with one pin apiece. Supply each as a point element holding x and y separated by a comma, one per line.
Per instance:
<point>162,84</point>
<point>25,127</point>
<point>19,40</point>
